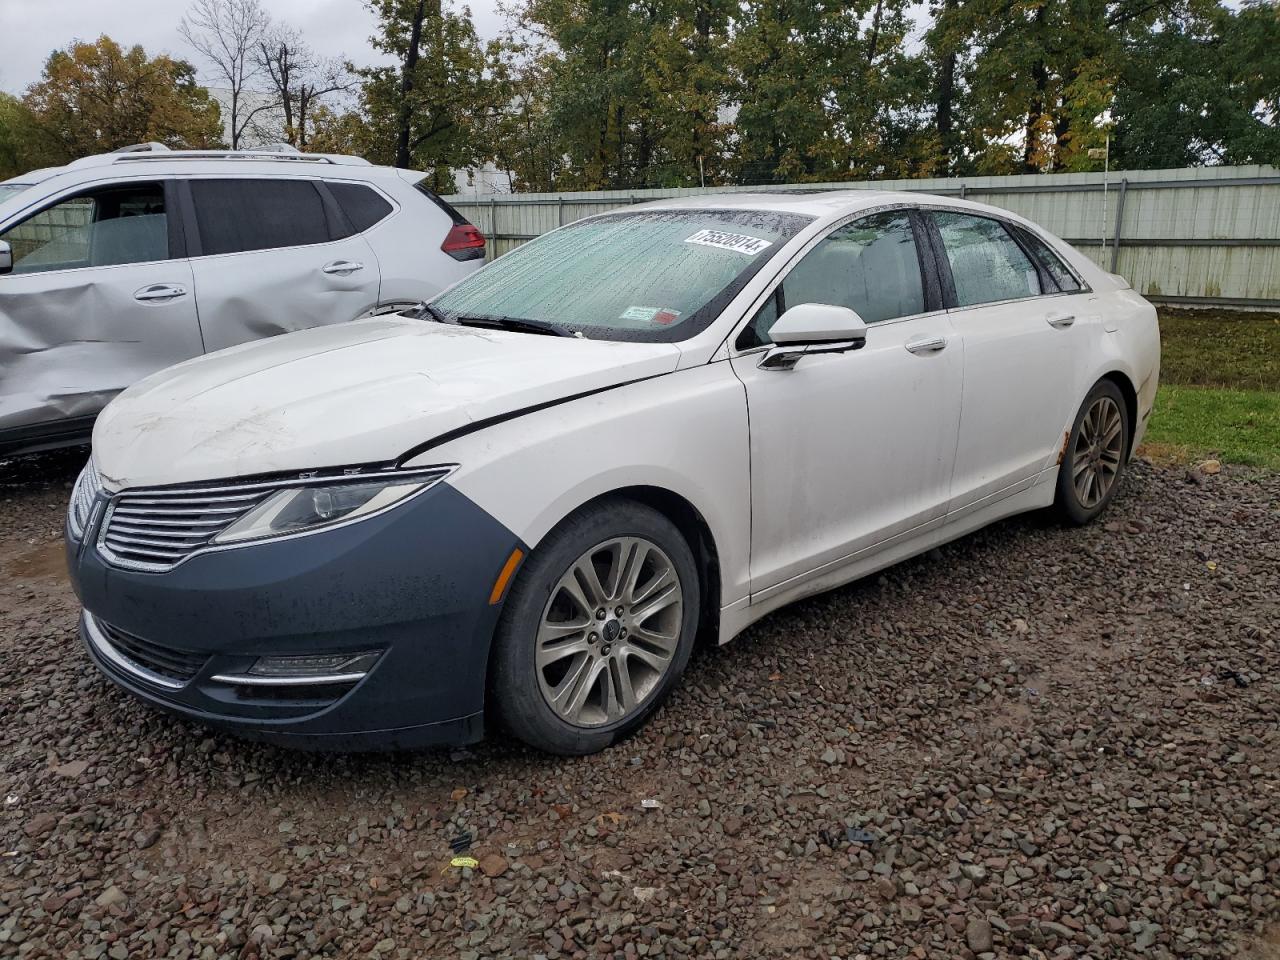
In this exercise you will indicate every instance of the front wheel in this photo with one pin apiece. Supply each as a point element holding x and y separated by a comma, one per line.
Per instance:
<point>597,629</point>
<point>1094,458</point>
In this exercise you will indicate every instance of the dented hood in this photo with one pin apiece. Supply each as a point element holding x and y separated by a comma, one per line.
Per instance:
<point>354,393</point>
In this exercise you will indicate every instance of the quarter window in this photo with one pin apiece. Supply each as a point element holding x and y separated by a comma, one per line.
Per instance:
<point>870,266</point>
<point>364,207</point>
<point>1052,263</point>
<point>109,226</point>
<point>238,215</point>
<point>986,262</point>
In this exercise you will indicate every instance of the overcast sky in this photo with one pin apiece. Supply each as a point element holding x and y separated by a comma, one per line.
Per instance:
<point>31,29</point>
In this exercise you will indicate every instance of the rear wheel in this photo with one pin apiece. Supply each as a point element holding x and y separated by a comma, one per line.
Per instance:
<point>1095,454</point>
<point>597,629</point>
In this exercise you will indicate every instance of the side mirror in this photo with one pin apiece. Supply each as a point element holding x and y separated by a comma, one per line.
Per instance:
<point>813,328</point>
<point>6,257</point>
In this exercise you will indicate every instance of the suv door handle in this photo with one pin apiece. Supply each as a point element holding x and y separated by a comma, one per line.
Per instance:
<point>1060,320</point>
<point>160,293</point>
<point>342,267</point>
<point>926,344</point>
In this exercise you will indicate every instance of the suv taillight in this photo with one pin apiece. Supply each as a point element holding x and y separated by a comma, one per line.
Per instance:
<point>464,242</point>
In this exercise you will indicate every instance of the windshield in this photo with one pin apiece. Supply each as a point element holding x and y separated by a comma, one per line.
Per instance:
<point>9,189</point>
<point>658,275</point>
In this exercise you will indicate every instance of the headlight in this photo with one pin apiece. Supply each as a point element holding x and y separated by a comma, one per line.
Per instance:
<point>83,496</point>
<point>303,509</point>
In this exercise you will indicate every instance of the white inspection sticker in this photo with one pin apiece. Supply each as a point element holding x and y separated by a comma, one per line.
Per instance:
<point>729,241</point>
<point>638,313</point>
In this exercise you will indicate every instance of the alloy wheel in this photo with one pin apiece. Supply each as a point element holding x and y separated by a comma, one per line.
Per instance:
<point>1098,453</point>
<point>609,631</point>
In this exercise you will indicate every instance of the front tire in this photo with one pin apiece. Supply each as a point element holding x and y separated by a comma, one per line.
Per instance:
<point>1095,455</point>
<point>597,629</point>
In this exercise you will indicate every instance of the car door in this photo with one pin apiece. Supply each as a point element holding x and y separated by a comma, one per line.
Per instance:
<point>99,296</point>
<point>1024,352</point>
<point>271,255</point>
<point>849,450</point>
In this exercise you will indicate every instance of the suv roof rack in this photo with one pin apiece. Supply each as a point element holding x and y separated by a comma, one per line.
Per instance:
<point>150,152</point>
<point>149,147</point>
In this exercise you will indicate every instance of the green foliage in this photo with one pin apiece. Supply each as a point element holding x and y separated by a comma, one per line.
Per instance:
<point>96,97</point>
<point>1220,387</point>
<point>1239,426</point>
<point>1220,348</point>
<point>434,109</point>
<point>589,94</point>
<point>23,145</point>
<point>1205,89</point>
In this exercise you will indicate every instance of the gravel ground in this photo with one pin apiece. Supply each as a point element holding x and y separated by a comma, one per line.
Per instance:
<point>1034,742</point>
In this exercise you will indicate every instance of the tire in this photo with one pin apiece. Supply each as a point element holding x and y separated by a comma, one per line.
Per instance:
<point>1091,467</point>
<point>549,646</point>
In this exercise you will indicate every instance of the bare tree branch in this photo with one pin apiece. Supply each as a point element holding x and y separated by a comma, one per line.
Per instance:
<point>226,33</point>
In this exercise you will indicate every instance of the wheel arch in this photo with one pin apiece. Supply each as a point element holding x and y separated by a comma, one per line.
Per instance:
<point>693,526</point>
<point>1130,393</point>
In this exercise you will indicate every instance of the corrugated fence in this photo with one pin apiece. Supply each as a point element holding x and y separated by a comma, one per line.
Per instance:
<point>1208,235</point>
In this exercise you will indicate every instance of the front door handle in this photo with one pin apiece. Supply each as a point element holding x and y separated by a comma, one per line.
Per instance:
<point>1060,320</point>
<point>160,293</point>
<point>921,345</point>
<point>342,267</point>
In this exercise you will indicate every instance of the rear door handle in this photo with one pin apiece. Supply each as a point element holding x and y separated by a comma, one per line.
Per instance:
<point>926,345</point>
<point>160,293</point>
<point>1060,320</point>
<point>342,267</point>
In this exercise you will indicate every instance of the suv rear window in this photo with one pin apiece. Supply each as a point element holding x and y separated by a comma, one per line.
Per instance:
<point>237,215</point>
<point>363,206</point>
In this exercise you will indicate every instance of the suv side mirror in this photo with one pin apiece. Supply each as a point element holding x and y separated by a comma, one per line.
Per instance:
<point>6,257</point>
<point>813,328</point>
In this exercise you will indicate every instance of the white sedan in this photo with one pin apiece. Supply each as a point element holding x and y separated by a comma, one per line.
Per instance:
<point>525,501</point>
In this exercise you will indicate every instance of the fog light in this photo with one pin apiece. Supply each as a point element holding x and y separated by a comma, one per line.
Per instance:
<point>307,669</point>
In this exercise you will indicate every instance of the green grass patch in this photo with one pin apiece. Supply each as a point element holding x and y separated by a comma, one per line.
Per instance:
<point>1195,423</point>
<point>1220,348</point>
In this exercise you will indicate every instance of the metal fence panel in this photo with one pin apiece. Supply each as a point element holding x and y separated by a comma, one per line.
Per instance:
<point>1200,235</point>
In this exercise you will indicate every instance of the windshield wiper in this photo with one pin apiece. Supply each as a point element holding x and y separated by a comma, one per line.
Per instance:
<point>431,313</point>
<point>520,324</point>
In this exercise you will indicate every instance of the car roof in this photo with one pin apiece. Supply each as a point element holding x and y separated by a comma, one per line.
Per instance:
<point>817,203</point>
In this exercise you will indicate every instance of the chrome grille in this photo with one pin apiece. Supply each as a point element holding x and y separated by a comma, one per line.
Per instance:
<point>157,529</point>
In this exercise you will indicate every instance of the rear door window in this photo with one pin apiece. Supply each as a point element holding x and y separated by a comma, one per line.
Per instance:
<point>986,263</point>
<point>233,216</point>
<point>363,206</point>
<point>108,226</point>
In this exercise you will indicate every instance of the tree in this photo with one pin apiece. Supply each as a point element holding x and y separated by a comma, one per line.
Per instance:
<point>94,97</point>
<point>300,79</point>
<point>1203,89</point>
<point>434,109</point>
<point>228,34</point>
<point>333,132</point>
<point>828,91</point>
<point>526,144</point>
<point>24,144</point>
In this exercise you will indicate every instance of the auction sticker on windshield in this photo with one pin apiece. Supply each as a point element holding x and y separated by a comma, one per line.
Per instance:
<point>736,242</point>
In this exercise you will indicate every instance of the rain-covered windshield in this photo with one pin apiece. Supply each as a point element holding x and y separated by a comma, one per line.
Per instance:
<point>9,189</point>
<point>658,275</point>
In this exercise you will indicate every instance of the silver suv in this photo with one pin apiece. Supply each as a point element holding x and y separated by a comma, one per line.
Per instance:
<point>118,265</point>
